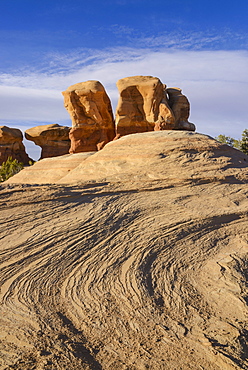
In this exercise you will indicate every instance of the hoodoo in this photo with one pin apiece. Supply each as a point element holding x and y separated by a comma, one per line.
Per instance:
<point>11,145</point>
<point>53,139</point>
<point>145,104</point>
<point>91,113</point>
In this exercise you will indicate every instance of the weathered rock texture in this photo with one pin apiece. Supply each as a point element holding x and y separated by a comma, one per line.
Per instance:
<point>51,170</point>
<point>144,106</point>
<point>179,104</point>
<point>11,145</point>
<point>138,105</point>
<point>141,264</point>
<point>53,139</point>
<point>92,119</point>
<point>172,156</point>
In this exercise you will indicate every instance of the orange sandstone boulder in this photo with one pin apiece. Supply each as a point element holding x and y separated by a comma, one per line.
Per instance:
<point>53,139</point>
<point>91,113</point>
<point>138,105</point>
<point>180,106</point>
<point>166,119</point>
<point>11,145</point>
<point>146,105</point>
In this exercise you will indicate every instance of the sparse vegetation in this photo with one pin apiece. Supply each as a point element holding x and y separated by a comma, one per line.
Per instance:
<point>10,168</point>
<point>241,144</point>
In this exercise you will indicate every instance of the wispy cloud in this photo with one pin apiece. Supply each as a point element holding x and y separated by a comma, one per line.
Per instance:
<point>215,82</point>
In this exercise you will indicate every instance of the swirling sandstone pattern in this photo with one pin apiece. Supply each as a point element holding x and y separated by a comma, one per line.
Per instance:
<point>129,271</point>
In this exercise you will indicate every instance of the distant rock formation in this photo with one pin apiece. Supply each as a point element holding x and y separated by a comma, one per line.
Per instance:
<point>53,139</point>
<point>11,145</point>
<point>144,106</point>
<point>92,119</point>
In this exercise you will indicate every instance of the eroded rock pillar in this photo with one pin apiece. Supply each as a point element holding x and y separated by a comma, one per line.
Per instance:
<point>92,118</point>
<point>11,145</point>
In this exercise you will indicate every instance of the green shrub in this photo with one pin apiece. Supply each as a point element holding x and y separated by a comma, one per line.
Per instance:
<point>229,141</point>
<point>241,145</point>
<point>10,168</point>
<point>244,142</point>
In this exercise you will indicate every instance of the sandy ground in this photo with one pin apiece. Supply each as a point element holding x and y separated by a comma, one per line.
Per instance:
<point>128,274</point>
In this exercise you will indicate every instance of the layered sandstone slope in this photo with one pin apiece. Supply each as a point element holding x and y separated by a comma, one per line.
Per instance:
<point>11,145</point>
<point>53,139</point>
<point>171,156</point>
<point>142,265</point>
<point>49,170</point>
<point>91,113</point>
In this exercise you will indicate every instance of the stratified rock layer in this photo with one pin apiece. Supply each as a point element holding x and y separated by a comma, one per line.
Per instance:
<point>11,145</point>
<point>140,264</point>
<point>92,119</point>
<point>172,156</point>
<point>51,170</point>
<point>53,139</point>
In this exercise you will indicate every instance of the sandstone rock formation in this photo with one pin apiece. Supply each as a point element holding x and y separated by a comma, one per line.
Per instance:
<point>179,104</point>
<point>11,145</point>
<point>92,119</point>
<point>53,139</point>
<point>139,261</point>
<point>138,105</point>
<point>165,119</point>
<point>168,156</point>
<point>144,106</point>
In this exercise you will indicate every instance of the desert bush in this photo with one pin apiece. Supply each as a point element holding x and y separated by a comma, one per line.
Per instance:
<point>10,168</point>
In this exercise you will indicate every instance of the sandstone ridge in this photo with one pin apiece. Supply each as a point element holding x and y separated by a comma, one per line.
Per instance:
<point>170,156</point>
<point>132,257</point>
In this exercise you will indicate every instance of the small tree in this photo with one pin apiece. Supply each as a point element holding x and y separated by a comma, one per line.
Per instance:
<point>241,145</point>
<point>229,141</point>
<point>244,142</point>
<point>10,168</point>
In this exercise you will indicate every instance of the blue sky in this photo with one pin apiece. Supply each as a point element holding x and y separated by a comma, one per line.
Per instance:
<point>199,46</point>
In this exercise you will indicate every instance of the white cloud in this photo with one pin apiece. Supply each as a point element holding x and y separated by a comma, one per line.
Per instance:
<point>31,104</point>
<point>215,82</point>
